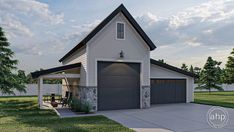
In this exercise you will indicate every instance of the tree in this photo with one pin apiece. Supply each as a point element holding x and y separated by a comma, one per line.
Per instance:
<point>191,69</point>
<point>210,76</point>
<point>223,76</point>
<point>220,74</point>
<point>21,79</point>
<point>8,79</point>
<point>184,67</point>
<point>30,80</point>
<point>230,68</point>
<point>197,70</point>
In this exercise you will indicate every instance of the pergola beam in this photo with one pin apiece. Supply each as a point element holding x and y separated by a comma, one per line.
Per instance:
<point>60,76</point>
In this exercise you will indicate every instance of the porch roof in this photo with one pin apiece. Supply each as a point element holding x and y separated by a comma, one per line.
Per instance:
<point>54,70</point>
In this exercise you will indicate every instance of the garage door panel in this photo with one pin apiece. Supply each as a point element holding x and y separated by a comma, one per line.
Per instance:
<point>157,96</point>
<point>180,92</point>
<point>168,91</point>
<point>118,92</point>
<point>120,81</point>
<point>168,97</point>
<point>118,85</point>
<point>172,90</point>
<point>117,104</point>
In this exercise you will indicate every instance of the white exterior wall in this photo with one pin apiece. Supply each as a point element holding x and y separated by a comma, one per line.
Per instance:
<point>160,72</point>
<point>79,56</point>
<point>105,47</point>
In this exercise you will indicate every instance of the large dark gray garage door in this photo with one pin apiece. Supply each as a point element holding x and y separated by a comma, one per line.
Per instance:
<point>118,85</point>
<point>168,91</point>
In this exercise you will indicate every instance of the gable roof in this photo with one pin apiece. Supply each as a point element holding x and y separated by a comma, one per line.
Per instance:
<point>55,69</point>
<point>170,67</point>
<point>129,17</point>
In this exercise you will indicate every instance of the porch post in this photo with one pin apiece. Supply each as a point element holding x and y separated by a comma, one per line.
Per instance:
<point>40,96</point>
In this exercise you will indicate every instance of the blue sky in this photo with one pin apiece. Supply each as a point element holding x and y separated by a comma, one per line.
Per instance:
<point>185,31</point>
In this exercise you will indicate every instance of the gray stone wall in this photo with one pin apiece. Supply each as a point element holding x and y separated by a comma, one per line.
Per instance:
<point>145,96</point>
<point>89,94</point>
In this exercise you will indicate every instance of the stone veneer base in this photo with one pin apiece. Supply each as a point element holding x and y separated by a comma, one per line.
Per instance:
<point>145,97</point>
<point>89,94</point>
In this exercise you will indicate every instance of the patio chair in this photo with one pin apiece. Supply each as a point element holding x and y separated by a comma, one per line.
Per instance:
<point>66,96</point>
<point>67,99</point>
<point>52,98</point>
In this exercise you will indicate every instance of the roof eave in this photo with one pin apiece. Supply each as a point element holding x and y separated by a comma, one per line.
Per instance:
<point>173,68</point>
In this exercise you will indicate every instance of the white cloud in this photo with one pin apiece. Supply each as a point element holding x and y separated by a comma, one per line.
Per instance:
<point>24,22</point>
<point>16,27</point>
<point>26,49</point>
<point>80,31</point>
<point>59,44</point>
<point>208,31</point>
<point>164,47</point>
<point>212,11</point>
<point>16,16</point>
<point>193,34</point>
<point>193,42</point>
<point>148,18</point>
<point>31,8</point>
<point>211,23</point>
<point>72,20</point>
<point>86,27</point>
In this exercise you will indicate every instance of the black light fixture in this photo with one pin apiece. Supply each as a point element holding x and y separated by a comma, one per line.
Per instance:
<point>121,54</point>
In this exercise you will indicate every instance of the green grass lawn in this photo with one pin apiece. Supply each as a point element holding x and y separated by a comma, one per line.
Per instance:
<point>225,99</point>
<point>22,114</point>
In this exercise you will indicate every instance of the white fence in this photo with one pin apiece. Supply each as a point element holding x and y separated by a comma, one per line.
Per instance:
<point>47,89</point>
<point>31,89</point>
<point>226,87</point>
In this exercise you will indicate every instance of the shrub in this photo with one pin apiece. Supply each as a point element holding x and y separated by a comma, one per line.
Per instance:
<point>71,104</point>
<point>86,107</point>
<point>79,106</point>
<point>76,105</point>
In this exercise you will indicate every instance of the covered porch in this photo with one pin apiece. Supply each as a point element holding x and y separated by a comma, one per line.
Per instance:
<point>70,76</point>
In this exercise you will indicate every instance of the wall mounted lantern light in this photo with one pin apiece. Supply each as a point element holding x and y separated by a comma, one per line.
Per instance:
<point>121,54</point>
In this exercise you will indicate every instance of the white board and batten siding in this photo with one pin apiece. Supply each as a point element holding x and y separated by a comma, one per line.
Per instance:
<point>160,72</point>
<point>79,56</point>
<point>32,90</point>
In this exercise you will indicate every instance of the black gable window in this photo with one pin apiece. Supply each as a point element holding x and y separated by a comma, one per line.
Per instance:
<point>120,30</point>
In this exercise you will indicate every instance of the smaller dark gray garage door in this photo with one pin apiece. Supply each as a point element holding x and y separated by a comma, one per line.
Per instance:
<point>118,85</point>
<point>168,91</point>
